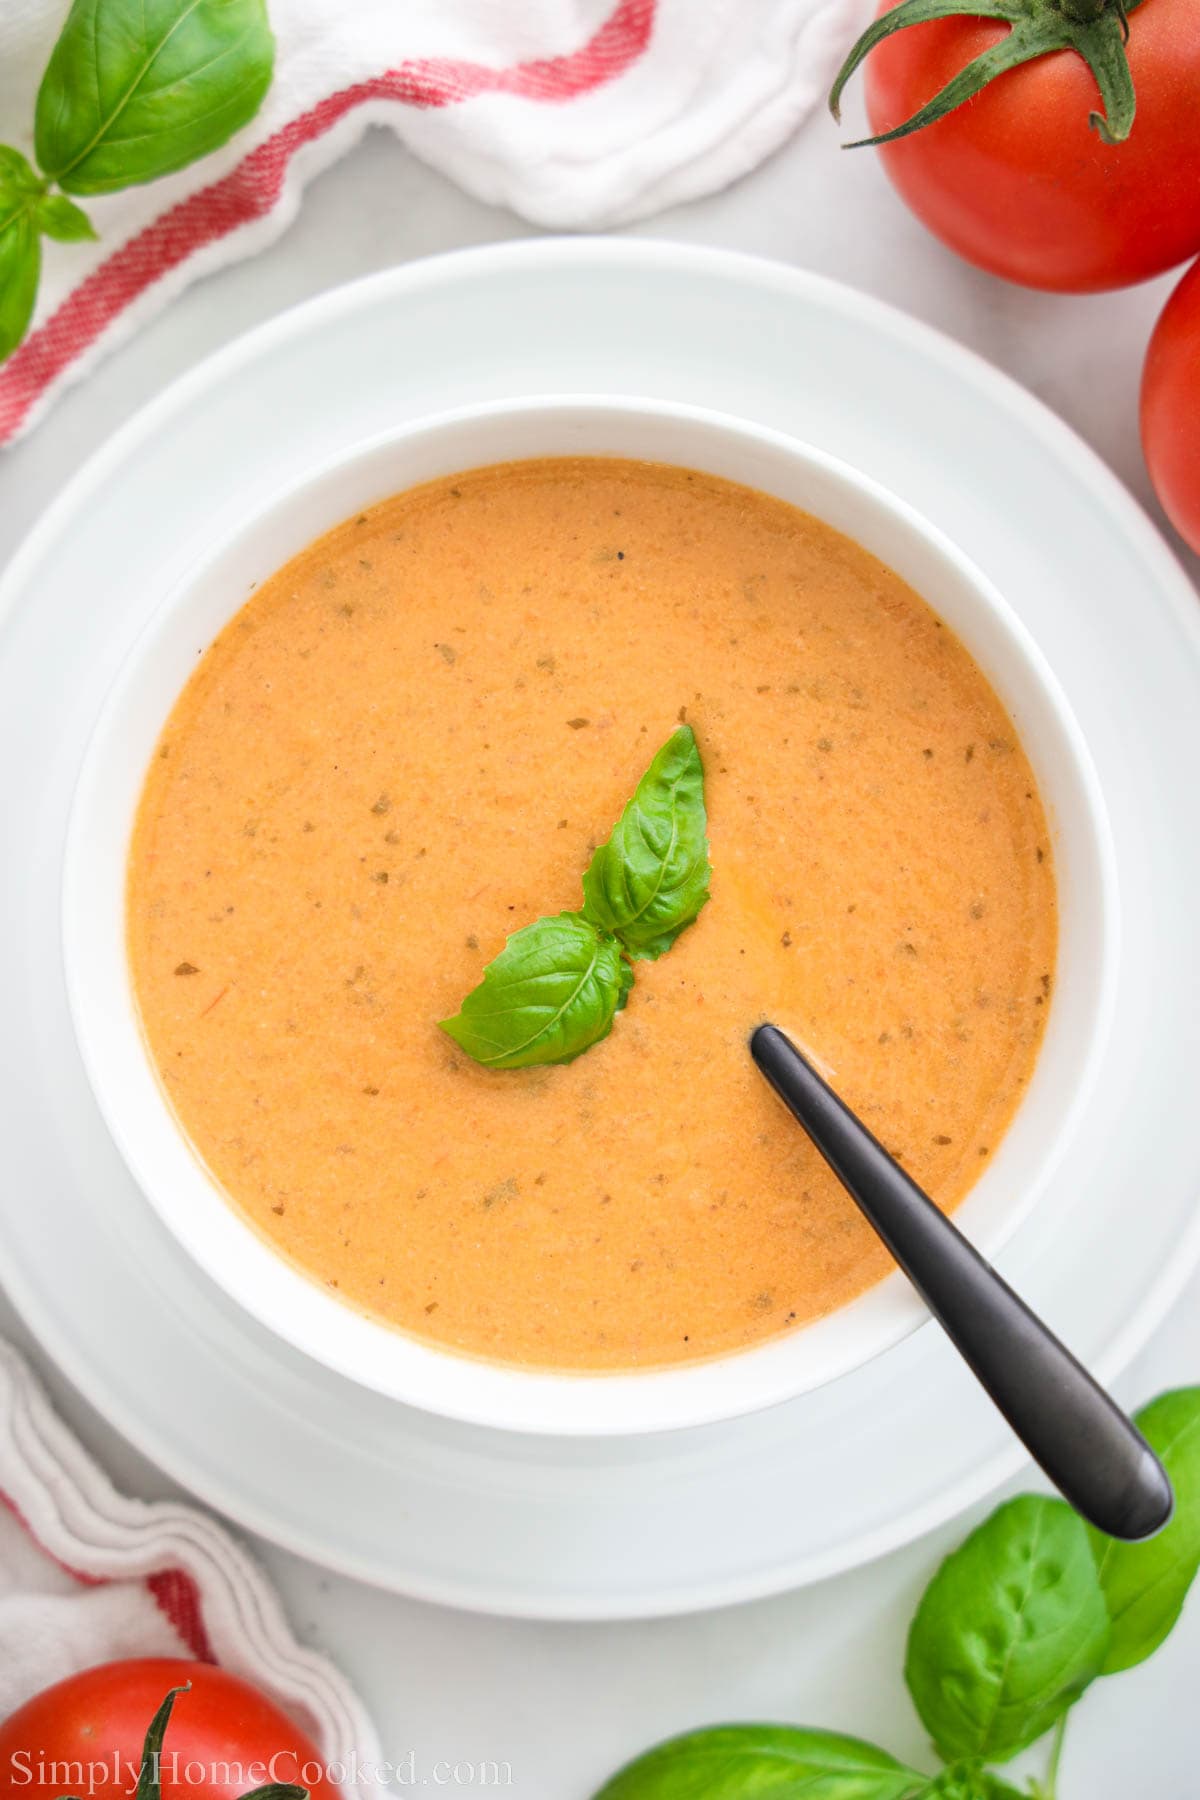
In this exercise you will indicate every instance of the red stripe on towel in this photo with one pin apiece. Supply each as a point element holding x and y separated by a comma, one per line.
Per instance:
<point>174,1591</point>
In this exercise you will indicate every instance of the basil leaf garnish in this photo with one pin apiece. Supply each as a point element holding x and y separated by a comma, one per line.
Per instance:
<point>765,1762</point>
<point>651,878</point>
<point>553,990</point>
<point>556,986</point>
<point>1145,1585</point>
<point>1009,1632</point>
<point>134,92</point>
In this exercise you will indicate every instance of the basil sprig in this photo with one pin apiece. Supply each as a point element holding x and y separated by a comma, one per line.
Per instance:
<point>556,987</point>
<point>134,89</point>
<point>1014,1626</point>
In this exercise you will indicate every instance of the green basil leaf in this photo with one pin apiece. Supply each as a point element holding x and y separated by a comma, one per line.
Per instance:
<point>134,92</point>
<point>1145,1585</point>
<point>20,272</point>
<point>1009,1632</point>
<point>968,1781</point>
<point>60,218</point>
<point>18,178</point>
<point>651,878</point>
<point>764,1762</point>
<point>21,191</point>
<point>553,990</point>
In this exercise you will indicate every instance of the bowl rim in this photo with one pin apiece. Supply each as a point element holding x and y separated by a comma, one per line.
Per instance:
<point>471,1389</point>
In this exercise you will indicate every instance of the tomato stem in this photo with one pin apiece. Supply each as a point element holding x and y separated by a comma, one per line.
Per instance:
<point>1102,47</point>
<point>1086,12</point>
<point>1097,30</point>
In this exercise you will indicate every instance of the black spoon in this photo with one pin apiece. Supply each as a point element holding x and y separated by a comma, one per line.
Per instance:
<point>1082,1440</point>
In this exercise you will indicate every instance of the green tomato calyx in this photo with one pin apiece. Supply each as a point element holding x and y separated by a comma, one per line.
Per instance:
<point>1097,30</point>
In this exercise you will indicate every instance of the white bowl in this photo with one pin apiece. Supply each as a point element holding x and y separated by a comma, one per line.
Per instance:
<point>126,1084</point>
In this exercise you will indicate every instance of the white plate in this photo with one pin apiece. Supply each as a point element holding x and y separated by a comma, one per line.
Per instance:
<point>451,1512</point>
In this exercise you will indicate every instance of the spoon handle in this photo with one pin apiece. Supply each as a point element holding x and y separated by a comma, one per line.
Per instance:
<point>1082,1440</point>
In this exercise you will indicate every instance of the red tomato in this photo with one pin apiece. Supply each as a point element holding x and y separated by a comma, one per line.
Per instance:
<point>1017,181</point>
<point>223,1739</point>
<point>1171,408</point>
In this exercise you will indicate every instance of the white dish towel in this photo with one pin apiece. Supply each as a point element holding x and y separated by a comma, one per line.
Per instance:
<point>578,114</point>
<point>87,1576</point>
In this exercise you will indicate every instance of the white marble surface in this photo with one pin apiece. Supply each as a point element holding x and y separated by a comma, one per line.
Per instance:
<point>563,1704</point>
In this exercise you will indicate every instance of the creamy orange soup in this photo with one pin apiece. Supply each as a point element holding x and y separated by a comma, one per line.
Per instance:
<point>407,743</point>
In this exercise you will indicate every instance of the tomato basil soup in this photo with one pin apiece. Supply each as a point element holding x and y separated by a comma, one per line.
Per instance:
<point>408,742</point>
